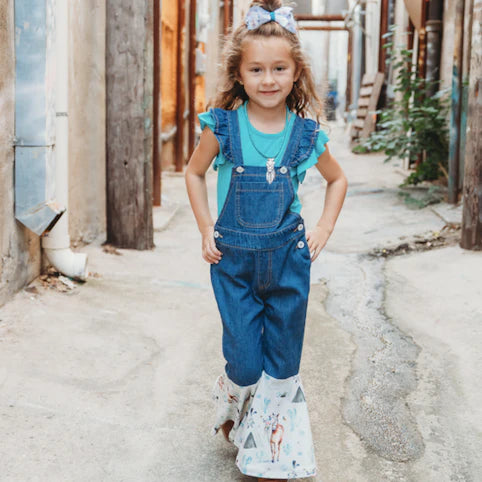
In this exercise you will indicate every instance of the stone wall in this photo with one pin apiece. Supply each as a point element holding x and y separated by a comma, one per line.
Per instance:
<point>19,248</point>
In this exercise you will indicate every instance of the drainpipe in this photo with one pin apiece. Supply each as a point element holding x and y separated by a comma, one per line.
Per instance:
<point>56,243</point>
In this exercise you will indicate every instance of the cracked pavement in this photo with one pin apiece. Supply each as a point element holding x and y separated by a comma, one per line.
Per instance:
<point>111,381</point>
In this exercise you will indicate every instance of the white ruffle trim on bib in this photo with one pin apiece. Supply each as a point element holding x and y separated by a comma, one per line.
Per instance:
<point>271,426</point>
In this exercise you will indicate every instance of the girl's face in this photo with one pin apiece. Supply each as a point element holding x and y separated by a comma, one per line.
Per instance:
<point>267,71</point>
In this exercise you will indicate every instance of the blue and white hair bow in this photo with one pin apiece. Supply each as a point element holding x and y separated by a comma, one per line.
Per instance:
<point>258,16</point>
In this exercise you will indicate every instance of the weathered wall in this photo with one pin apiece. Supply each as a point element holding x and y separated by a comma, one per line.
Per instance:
<point>87,193</point>
<point>401,21</point>
<point>447,54</point>
<point>372,27</point>
<point>239,11</point>
<point>129,100</point>
<point>213,48</point>
<point>20,253</point>
<point>19,248</point>
<point>400,40</point>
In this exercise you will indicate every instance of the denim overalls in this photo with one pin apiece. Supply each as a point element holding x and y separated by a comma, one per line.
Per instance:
<point>261,287</point>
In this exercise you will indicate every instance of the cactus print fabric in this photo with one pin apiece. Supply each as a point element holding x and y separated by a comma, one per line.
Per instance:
<point>271,426</point>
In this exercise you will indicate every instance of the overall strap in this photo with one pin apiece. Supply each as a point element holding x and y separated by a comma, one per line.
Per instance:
<point>302,142</point>
<point>228,135</point>
<point>293,141</point>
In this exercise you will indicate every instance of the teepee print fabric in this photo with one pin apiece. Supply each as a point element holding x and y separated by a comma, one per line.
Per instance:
<point>232,402</point>
<point>271,430</point>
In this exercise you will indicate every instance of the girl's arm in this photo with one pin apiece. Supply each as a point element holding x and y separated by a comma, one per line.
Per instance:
<point>335,195</point>
<point>205,152</point>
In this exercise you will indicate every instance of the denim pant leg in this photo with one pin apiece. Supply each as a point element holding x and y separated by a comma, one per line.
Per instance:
<point>285,310</point>
<point>241,313</point>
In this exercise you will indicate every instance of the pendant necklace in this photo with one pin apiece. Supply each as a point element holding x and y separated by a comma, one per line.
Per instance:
<point>270,172</point>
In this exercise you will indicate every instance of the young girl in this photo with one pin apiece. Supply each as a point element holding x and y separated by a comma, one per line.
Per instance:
<point>263,143</point>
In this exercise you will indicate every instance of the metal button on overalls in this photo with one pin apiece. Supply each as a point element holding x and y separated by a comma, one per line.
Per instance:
<point>261,286</point>
<point>261,283</point>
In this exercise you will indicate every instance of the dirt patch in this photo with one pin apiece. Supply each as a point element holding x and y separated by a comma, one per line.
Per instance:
<point>449,235</point>
<point>54,280</point>
<point>110,249</point>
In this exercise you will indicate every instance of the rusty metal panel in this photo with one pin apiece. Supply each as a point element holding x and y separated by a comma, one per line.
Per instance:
<point>30,49</point>
<point>35,72</point>
<point>35,205</point>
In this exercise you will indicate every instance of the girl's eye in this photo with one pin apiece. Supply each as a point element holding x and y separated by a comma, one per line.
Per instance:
<point>256,70</point>
<point>280,69</point>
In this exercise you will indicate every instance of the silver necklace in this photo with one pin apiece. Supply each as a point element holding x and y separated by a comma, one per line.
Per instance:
<point>270,161</point>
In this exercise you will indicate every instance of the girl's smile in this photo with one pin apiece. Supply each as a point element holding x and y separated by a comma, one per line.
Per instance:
<point>267,71</point>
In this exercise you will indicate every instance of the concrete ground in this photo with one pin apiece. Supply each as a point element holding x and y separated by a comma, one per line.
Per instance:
<point>111,380</point>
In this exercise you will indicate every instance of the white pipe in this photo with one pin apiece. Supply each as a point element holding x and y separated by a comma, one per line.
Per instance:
<point>56,243</point>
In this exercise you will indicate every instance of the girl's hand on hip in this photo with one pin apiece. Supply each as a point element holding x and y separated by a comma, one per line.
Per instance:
<point>210,252</point>
<point>317,239</point>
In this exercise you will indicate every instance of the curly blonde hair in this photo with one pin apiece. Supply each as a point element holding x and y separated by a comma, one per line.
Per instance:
<point>303,98</point>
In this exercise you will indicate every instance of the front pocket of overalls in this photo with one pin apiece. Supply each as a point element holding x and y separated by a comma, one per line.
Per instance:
<point>259,204</point>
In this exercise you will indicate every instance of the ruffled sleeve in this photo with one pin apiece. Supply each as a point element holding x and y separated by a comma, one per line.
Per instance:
<point>207,119</point>
<point>318,149</point>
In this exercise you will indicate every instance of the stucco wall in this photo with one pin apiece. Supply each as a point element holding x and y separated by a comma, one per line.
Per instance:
<point>87,117</point>
<point>20,253</point>
<point>240,9</point>
<point>447,54</point>
<point>213,50</point>
<point>372,26</point>
<point>19,248</point>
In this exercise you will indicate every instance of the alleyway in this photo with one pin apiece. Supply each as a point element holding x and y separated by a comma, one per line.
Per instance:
<point>111,380</point>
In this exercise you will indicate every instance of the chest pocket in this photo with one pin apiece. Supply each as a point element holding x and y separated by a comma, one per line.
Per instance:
<point>259,204</point>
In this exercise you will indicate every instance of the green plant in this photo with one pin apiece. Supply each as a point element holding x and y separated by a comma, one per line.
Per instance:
<point>419,200</point>
<point>414,125</point>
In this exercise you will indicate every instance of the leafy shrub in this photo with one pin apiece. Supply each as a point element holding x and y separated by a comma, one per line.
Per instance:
<point>414,125</point>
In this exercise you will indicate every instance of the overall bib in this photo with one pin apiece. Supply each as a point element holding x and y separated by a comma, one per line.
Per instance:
<point>261,286</point>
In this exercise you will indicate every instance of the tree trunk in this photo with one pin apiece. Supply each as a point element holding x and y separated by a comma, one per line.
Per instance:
<point>129,77</point>
<point>472,191</point>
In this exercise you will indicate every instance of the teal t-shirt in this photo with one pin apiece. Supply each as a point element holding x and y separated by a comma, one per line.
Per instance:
<point>268,144</point>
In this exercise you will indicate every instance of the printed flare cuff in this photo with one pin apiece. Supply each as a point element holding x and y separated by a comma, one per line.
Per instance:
<point>271,426</point>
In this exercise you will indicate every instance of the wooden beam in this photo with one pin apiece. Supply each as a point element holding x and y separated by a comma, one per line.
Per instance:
<point>227,12</point>
<point>371,118</point>
<point>323,18</point>
<point>422,42</point>
<point>192,77</point>
<point>472,192</point>
<point>156,128</point>
<point>322,28</point>
<point>455,114</point>
<point>365,120</point>
<point>465,86</point>
<point>349,72</point>
<point>382,52</point>
<point>129,90</point>
<point>179,150</point>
